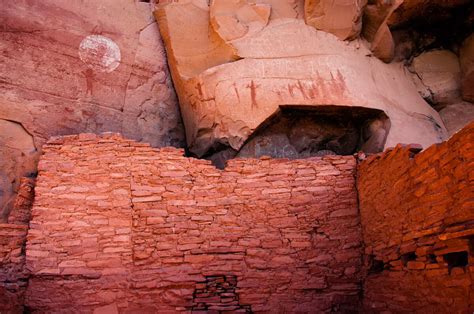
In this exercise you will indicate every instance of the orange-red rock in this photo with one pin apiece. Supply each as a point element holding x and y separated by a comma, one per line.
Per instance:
<point>159,251</point>
<point>71,67</point>
<point>416,214</point>
<point>342,18</point>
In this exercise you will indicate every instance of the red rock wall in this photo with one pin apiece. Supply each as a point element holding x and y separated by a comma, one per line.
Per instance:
<point>60,73</point>
<point>13,276</point>
<point>418,224</point>
<point>13,279</point>
<point>121,225</point>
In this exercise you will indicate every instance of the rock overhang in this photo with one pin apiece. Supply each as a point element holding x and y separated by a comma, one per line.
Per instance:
<point>225,102</point>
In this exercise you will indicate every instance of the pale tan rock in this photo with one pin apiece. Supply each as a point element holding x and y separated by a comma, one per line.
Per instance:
<point>85,66</point>
<point>342,18</point>
<point>287,63</point>
<point>233,19</point>
<point>194,45</point>
<point>376,30</point>
<point>466,58</point>
<point>440,72</point>
<point>285,9</point>
<point>456,116</point>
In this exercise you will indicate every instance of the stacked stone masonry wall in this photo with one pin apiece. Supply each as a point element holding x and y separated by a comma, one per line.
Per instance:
<point>13,275</point>
<point>118,225</point>
<point>13,279</point>
<point>417,215</point>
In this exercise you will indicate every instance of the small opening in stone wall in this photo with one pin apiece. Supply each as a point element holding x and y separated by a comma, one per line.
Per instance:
<point>302,132</point>
<point>456,259</point>
<point>431,259</point>
<point>407,257</point>
<point>375,266</point>
<point>218,294</point>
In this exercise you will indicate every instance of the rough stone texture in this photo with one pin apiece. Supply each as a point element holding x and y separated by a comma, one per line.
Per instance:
<point>417,221</point>
<point>118,223</point>
<point>440,75</point>
<point>13,275</point>
<point>376,30</point>
<point>457,116</point>
<point>218,293</point>
<point>19,155</point>
<point>419,9</point>
<point>21,213</point>
<point>236,19</point>
<point>302,134</point>
<point>286,63</point>
<point>13,279</point>
<point>466,56</point>
<point>54,81</point>
<point>324,130</point>
<point>342,18</point>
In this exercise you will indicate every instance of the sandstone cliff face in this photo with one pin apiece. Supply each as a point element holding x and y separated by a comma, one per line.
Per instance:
<point>79,66</point>
<point>233,71</point>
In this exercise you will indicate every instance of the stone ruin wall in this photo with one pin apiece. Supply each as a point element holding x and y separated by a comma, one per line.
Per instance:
<point>121,225</point>
<point>13,277</point>
<point>418,224</point>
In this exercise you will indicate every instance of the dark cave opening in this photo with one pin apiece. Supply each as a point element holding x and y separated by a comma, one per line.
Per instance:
<point>408,257</point>
<point>375,266</point>
<point>456,259</point>
<point>295,133</point>
<point>436,26</point>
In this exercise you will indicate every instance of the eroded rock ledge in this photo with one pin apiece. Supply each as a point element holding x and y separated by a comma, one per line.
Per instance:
<point>236,63</point>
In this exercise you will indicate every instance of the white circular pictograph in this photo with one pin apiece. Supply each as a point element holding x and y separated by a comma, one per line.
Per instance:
<point>100,53</point>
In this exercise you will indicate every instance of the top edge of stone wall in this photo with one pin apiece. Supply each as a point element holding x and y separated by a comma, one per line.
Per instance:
<point>83,139</point>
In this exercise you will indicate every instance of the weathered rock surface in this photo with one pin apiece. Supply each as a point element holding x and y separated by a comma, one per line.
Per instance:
<point>376,29</point>
<point>440,74</point>
<point>229,88</point>
<point>413,9</point>
<point>467,66</point>
<point>342,18</point>
<point>235,19</point>
<point>328,130</point>
<point>416,215</point>
<point>80,66</point>
<point>18,154</point>
<point>284,233</point>
<point>456,116</point>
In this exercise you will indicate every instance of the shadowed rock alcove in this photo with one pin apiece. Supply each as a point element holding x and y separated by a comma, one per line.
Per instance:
<point>295,132</point>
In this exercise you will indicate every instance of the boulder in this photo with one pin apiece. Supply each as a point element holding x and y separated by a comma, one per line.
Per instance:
<point>342,18</point>
<point>81,66</point>
<point>466,57</point>
<point>238,18</point>
<point>376,30</point>
<point>456,116</point>
<point>440,74</point>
